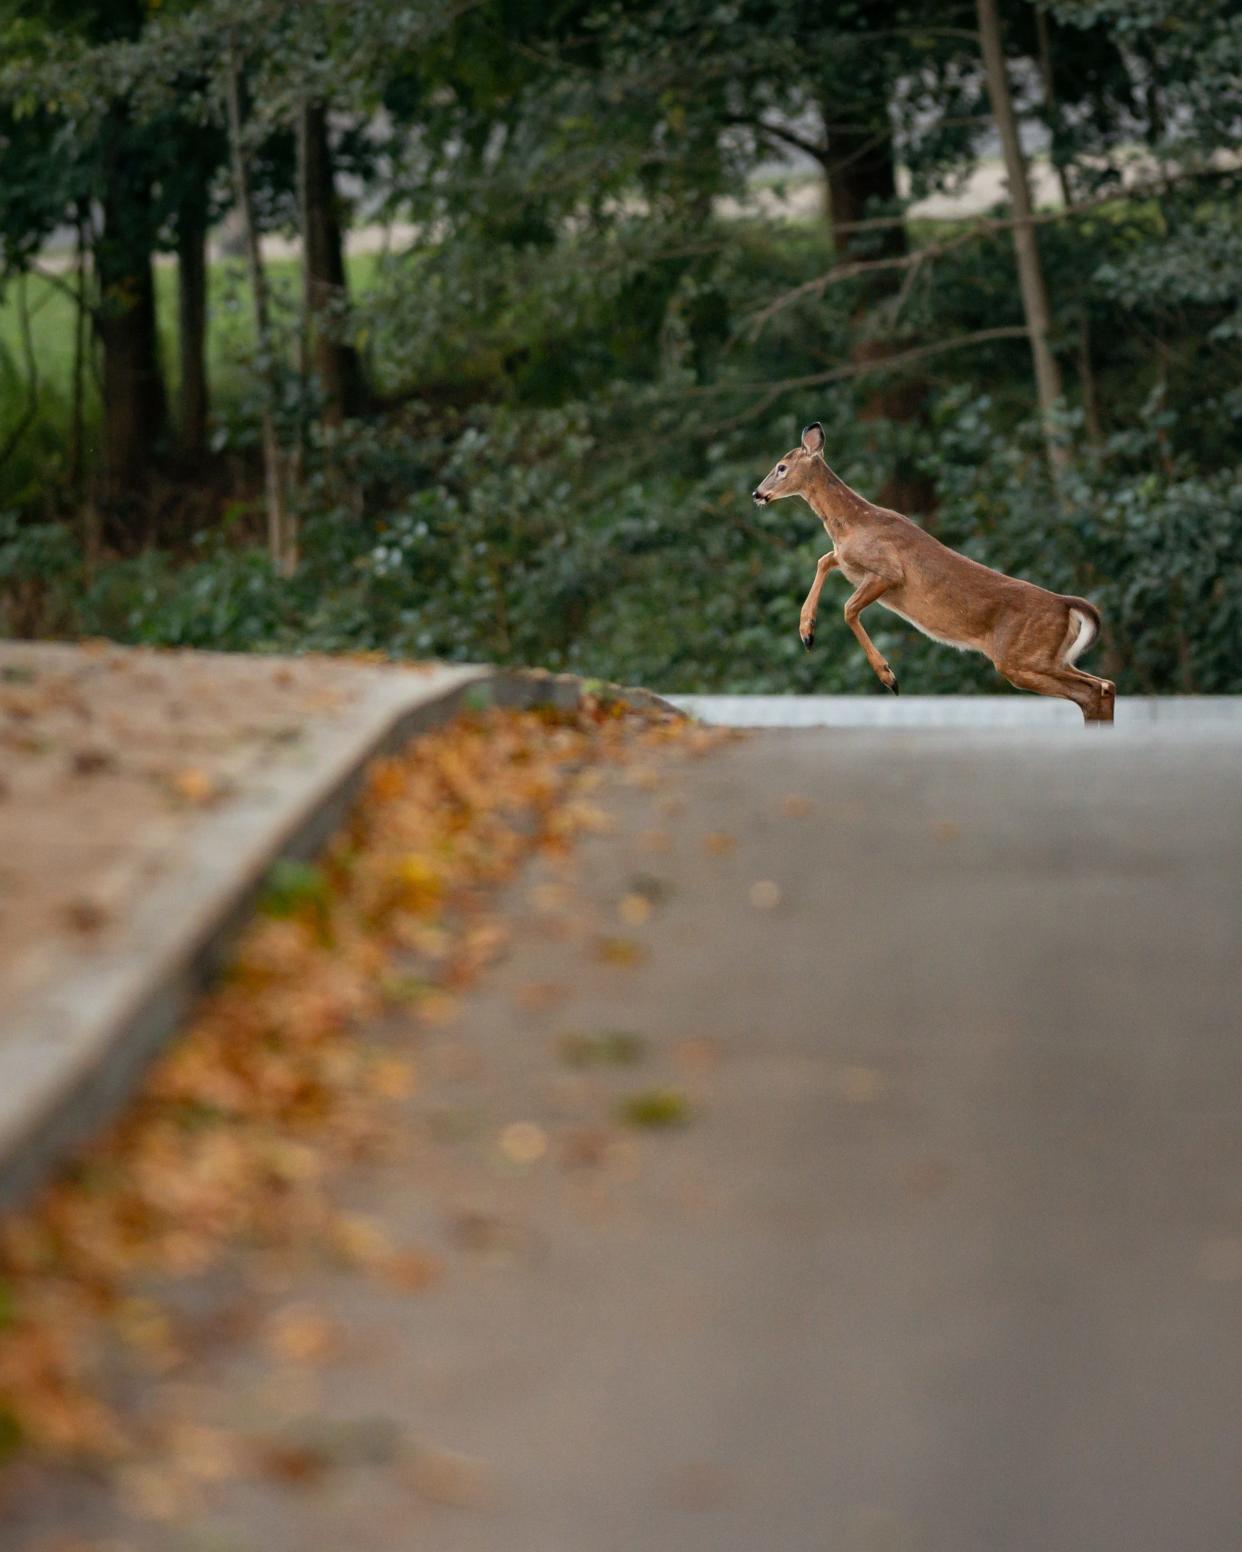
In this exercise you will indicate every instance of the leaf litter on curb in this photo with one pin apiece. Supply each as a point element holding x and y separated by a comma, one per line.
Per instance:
<point>238,1132</point>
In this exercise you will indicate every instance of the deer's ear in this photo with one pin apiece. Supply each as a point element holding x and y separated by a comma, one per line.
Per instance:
<point>813,437</point>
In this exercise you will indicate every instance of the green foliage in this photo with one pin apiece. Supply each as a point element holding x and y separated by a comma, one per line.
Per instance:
<point>595,335</point>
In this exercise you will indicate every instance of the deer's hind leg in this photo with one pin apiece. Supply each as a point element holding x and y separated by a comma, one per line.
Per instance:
<point>1095,698</point>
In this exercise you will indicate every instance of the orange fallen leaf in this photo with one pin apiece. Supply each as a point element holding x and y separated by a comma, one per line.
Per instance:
<point>620,951</point>
<point>634,909</point>
<point>359,1240</point>
<point>294,1463</point>
<point>193,785</point>
<point>301,1334</point>
<point>411,1271</point>
<point>392,1077</point>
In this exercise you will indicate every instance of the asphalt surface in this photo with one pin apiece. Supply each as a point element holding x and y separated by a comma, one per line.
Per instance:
<point>947,1255</point>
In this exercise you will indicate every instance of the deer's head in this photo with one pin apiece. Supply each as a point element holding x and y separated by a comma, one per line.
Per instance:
<point>790,475</point>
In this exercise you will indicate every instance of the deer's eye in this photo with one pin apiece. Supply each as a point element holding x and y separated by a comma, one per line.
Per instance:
<point>780,468</point>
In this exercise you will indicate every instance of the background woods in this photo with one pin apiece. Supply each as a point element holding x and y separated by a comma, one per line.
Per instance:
<point>465,330</point>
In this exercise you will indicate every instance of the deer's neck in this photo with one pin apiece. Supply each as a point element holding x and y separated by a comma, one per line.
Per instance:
<point>840,509</point>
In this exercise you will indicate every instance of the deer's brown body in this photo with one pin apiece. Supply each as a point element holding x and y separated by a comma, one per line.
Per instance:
<point>1032,636</point>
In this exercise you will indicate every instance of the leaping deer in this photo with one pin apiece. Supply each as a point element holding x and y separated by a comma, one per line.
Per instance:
<point>1033,637</point>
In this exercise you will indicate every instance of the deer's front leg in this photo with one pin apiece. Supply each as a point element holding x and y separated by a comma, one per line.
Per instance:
<point>806,624</point>
<point>866,593</point>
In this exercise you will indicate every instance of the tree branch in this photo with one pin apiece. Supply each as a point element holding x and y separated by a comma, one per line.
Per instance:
<point>778,132</point>
<point>51,278</point>
<point>987,227</point>
<point>769,392</point>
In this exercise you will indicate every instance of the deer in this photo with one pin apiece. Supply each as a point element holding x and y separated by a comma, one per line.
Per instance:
<point>1032,636</point>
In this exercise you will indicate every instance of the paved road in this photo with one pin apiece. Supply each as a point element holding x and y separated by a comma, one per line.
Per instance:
<point>949,1256</point>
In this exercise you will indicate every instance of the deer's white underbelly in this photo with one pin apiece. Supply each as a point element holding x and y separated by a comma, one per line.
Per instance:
<point>948,641</point>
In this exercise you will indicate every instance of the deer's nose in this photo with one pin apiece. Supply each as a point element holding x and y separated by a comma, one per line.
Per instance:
<point>757,495</point>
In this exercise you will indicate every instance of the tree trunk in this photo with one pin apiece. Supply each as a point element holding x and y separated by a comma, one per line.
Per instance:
<point>1026,249</point>
<point>82,343</point>
<point>281,541</point>
<point>134,403</point>
<point>192,320</point>
<point>1086,368</point>
<point>323,269</point>
<point>861,175</point>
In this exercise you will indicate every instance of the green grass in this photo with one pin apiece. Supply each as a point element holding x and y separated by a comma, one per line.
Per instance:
<point>230,341</point>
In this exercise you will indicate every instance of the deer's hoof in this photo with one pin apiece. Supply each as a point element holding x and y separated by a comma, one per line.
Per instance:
<point>891,684</point>
<point>807,637</point>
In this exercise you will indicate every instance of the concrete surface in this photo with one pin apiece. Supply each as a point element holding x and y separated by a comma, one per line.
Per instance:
<point>84,1013</point>
<point>949,1256</point>
<point>1179,713</point>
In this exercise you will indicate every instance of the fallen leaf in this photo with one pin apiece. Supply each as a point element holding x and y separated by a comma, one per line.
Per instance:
<point>85,915</point>
<point>360,1240</point>
<point>612,1048</point>
<point>292,1463</point>
<point>392,1077</point>
<point>619,951</point>
<point>439,1007</point>
<point>193,785</point>
<point>301,1334</point>
<point>655,1108</point>
<point>90,762</point>
<point>719,843</point>
<point>412,1271</point>
<point>634,909</point>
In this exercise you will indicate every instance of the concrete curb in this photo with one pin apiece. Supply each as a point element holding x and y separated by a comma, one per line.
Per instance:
<point>1175,714</point>
<point>74,1052</point>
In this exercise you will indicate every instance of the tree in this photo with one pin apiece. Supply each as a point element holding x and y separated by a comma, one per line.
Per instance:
<point>281,541</point>
<point>336,360</point>
<point>1026,248</point>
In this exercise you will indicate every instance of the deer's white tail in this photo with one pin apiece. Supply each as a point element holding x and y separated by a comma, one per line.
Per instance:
<point>1085,622</point>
